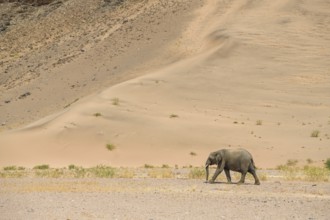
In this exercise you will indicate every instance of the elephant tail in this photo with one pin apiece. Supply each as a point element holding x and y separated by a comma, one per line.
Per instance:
<point>253,164</point>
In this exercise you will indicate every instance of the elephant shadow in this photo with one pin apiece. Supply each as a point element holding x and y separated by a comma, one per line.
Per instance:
<point>226,183</point>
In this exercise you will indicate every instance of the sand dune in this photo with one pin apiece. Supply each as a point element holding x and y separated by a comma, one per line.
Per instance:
<point>252,74</point>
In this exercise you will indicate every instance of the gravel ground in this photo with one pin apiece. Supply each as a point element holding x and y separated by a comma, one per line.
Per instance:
<point>34,198</point>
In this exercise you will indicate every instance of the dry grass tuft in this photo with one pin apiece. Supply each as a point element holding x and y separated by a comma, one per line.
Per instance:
<point>161,173</point>
<point>196,173</point>
<point>115,101</point>
<point>307,173</point>
<point>315,133</point>
<point>110,147</point>
<point>97,114</point>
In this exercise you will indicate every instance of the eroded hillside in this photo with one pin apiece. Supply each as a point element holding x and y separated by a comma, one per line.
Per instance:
<point>66,47</point>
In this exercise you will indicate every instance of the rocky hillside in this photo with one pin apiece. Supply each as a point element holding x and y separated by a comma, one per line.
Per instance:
<point>40,40</point>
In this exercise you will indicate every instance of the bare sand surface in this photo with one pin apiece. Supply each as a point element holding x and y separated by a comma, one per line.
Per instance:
<point>229,74</point>
<point>160,199</point>
<point>212,74</point>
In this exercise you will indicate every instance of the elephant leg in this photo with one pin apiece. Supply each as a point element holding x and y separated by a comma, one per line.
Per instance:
<point>256,179</point>
<point>242,180</point>
<point>216,174</point>
<point>218,171</point>
<point>228,175</point>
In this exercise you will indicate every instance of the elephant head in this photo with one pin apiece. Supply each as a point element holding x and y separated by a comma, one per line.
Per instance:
<point>214,158</point>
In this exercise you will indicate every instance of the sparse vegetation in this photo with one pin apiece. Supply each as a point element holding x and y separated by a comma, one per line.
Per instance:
<point>110,147</point>
<point>263,176</point>
<point>115,101</point>
<point>259,122</point>
<point>148,166</point>
<point>307,173</point>
<point>102,171</point>
<point>78,172</point>
<point>316,173</point>
<point>41,167</point>
<point>290,172</point>
<point>309,161</point>
<point>315,133</point>
<point>327,163</point>
<point>161,173</point>
<point>174,116</point>
<point>125,173</point>
<point>165,166</point>
<point>292,162</point>
<point>193,154</point>
<point>71,167</point>
<point>10,168</point>
<point>49,173</point>
<point>197,173</point>
<point>97,114</point>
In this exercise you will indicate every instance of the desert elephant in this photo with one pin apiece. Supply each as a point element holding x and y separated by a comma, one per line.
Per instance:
<point>239,160</point>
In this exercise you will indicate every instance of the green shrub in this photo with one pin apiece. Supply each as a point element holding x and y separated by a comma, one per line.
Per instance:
<point>72,167</point>
<point>97,114</point>
<point>10,168</point>
<point>148,166</point>
<point>110,147</point>
<point>41,167</point>
<point>327,163</point>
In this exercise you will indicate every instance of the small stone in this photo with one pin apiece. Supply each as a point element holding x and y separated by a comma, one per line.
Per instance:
<point>24,95</point>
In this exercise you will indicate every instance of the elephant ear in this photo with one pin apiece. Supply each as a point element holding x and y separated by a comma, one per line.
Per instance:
<point>218,158</point>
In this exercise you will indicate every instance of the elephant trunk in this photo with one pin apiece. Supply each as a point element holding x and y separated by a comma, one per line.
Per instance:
<point>207,170</point>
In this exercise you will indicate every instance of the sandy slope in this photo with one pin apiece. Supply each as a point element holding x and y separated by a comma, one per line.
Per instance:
<point>60,53</point>
<point>241,62</point>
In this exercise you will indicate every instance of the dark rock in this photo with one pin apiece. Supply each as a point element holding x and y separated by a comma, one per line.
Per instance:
<point>24,95</point>
<point>114,2</point>
<point>2,28</point>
